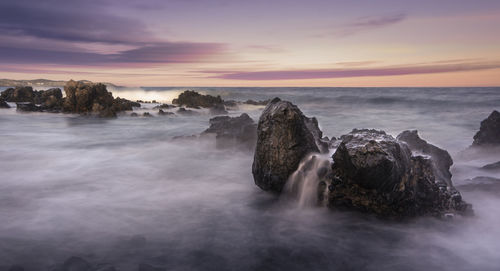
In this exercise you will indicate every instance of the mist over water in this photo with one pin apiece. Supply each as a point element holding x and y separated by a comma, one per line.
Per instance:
<point>121,191</point>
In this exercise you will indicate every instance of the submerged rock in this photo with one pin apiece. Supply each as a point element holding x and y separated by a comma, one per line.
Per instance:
<point>18,94</point>
<point>218,109</point>
<point>3,103</point>
<point>165,113</point>
<point>284,137</point>
<point>373,172</point>
<point>193,99</point>
<point>233,131</point>
<point>489,132</point>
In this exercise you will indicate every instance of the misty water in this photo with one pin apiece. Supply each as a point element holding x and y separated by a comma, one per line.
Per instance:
<point>121,191</point>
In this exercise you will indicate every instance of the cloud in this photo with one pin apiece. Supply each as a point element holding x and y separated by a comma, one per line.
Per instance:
<point>368,23</point>
<point>355,72</point>
<point>82,32</point>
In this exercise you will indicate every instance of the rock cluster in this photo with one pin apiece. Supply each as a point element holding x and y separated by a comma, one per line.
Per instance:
<point>370,170</point>
<point>233,131</point>
<point>489,132</point>
<point>284,137</point>
<point>193,99</point>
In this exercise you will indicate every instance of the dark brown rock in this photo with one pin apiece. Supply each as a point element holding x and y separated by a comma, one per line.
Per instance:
<point>284,137</point>
<point>193,99</point>
<point>3,103</point>
<point>18,94</point>
<point>90,98</point>
<point>489,132</point>
<point>240,132</point>
<point>375,173</point>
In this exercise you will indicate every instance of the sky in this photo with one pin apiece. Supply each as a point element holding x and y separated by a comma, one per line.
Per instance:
<point>337,43</point>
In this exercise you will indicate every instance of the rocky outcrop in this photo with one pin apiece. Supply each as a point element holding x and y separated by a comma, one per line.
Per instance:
<point>284,137</point>
<point>193,99</point>
<point>18,94</point>
<point>441,159</point>
<point>120,104</point>
<point>489,132</point>
<point>239,132</point>
<point>3,103</point>
<point>373,172</point>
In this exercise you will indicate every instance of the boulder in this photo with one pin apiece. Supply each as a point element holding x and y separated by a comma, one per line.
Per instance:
<point>18,94</point>
<point>147,114</point>
<point>193,99</point>
<point>120,104</point>
<point>233,131</point>
<point>89,98</point>
<point>441,159</point>
<point>489,132</point>
<point>3,103</point>
<point>375,173</point>
<point>284,137</point>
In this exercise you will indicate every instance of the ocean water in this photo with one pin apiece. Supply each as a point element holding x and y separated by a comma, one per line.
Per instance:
<point>121,191</point>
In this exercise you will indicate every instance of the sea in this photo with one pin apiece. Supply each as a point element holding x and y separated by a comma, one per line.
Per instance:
<point>122,191</point>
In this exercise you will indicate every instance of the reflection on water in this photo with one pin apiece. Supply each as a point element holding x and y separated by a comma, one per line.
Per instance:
<point>121,191</point>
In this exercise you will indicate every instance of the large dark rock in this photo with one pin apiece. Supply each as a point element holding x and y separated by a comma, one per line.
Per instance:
<point>193,99</point>
<point>3,103</point>
<point>233,131</point>
<point>18,94</point>
<point>441,158</point>
<point>120,104</point>
<point>373,172</point>
<point>284,137</point>
<point>89,98</point>
<point>489,132</point>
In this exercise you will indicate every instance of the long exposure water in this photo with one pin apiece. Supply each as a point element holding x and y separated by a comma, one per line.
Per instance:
<point>121,191</point>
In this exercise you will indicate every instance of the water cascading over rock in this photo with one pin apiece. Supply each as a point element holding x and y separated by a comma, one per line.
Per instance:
<point>369,171</point>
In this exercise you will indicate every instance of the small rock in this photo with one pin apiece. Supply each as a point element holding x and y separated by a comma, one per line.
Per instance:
<point>164,113</point>
<point>489,132</point>
<point>147,114</point>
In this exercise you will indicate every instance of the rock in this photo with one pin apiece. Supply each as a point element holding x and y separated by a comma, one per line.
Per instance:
<point>163,113</point>
<point>284,137</point>
<point>88,98</point>
<point>162,106</point>
<point>120,104</point>
<point>230,103</point>
<point>218,109</point>
<point>186,112</point>
<point>441,158</point>
<point>233,131</point>
<point>492,166</point>
<point>3,103</point>
<point>489,132</point>
<point>193,99</point>
<point>18,94</point>
<point>28,107</point>
<point>146,114</point>
<point>373,172</point>
<point>133,114</point>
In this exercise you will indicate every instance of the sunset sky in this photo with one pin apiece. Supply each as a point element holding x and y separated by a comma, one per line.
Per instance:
<point>253,42</point>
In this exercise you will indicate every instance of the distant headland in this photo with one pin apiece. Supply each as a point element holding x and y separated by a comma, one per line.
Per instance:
<point>43,83</point>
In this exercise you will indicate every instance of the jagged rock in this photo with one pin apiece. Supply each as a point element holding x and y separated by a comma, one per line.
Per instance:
<point>3,103</point>
<point>233,131</point>
<point>164,113</point>
<point>193,99</point>
<point>284,137</point>
<point>489,132</point>
<point>28,107</point>
<point>373,172</point>
<point>218,109</point>
<point>88,98</point>
<point>18,94</point>
<point>120,104</point>
<point>186,112</point>
<point>441,158</point>
<point>492,166</point>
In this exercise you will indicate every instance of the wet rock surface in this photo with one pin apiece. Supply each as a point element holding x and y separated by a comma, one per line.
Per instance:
<point>3,103</point>
<point>373,172</point>
<point>18,94</point>
<point>489,132</point>
<point>240,132</point>
<point>284,137</point>
<point>193,99</point>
